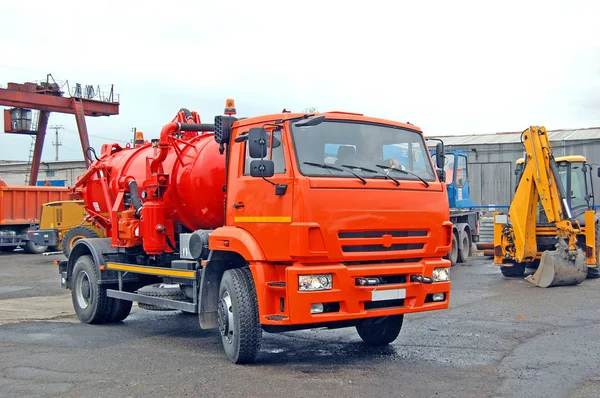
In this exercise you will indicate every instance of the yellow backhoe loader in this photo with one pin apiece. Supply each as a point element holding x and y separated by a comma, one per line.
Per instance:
<point>551,223</point>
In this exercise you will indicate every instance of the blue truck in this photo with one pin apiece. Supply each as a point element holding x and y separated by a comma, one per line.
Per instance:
<point>463,214</point>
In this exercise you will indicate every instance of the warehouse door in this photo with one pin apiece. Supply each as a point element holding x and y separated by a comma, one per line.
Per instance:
<point>490,183</point>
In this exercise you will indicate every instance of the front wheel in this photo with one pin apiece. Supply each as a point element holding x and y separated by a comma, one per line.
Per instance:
<point>90,301</point>
<point>238,318</point>
<point>517,270</point>
<point>380,331</point>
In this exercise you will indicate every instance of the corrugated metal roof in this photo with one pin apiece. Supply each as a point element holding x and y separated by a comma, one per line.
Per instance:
<point>591,133</point>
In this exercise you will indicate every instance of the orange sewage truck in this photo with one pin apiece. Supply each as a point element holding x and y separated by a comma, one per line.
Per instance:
<point>266,224</point>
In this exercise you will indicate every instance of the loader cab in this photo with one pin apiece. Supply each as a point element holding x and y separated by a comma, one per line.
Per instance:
<point>576,176</point>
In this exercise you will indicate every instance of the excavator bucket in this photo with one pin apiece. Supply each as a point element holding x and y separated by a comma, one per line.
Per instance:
<point>560,268</point>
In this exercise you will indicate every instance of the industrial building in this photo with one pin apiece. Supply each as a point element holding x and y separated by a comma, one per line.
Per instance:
<point>492,158</point>
<point>61,173</point>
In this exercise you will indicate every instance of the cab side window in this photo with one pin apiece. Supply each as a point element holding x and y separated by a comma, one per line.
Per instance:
<point>276,155</point>
<point>461,171</point>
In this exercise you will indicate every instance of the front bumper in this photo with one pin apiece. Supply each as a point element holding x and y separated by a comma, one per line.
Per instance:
<point>280,302</point>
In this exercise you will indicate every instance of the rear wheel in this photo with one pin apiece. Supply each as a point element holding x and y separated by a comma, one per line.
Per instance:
<point>380,331</point>
<point>73,235</point>
<point>90,301</point>
<point>453,253</point>
<point>465,246</point>
<point>238,320</point>
<point>119,310</point>
<point>517,270</point>
<point>33,248</point>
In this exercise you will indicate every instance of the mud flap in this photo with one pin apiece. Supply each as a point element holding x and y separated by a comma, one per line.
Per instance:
<point>560,268</point>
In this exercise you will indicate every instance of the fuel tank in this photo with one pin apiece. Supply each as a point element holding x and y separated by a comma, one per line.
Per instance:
<point>193,194</point>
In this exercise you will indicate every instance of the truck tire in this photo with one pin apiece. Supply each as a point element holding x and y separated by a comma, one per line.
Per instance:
<point>453,253</point>
<point>75,234</point>
<point>464,248</point>
<point>7,249</point>
<point>238,319</point>
<point>594,272</point>
<point>119,310</point>
<point>516,271</point>
<point>33,248</point>
<point>380,331</point>
<point>162,291</point>
<point>90,301</point>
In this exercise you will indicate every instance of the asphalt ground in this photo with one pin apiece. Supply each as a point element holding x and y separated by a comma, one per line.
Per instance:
<point>499,338</point>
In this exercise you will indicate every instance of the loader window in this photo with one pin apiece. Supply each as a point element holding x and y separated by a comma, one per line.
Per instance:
<point>275,154</point>
<point>365,145</point>
<point>578,191</point>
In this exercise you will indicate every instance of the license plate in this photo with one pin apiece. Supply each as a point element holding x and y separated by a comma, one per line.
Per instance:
<point>390,294</point>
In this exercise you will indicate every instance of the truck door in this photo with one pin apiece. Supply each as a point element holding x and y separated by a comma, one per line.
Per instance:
<point>253,204</point>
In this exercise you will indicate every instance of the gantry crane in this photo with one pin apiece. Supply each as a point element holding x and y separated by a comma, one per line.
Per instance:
<point>47,97</point>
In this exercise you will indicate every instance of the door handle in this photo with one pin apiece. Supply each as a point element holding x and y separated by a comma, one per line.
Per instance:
<point>238,205</point>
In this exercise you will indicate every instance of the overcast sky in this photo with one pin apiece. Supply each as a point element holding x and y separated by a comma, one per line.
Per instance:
<point>450,67</point>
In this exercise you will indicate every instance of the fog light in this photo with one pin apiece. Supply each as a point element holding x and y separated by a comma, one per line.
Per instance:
<point>438,296</point>
<point>314,282</point>
<point>441,274</point>
<point>316,308</point>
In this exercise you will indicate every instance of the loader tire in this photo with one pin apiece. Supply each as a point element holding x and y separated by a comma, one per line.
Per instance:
<point>593,273</point>
<point>516,271</point>
<point>90,301</point>
<point>33,248</point>
<point>380,331</point>
<point>162,291</point>
<point>73,235</point>
<point>237,314</point>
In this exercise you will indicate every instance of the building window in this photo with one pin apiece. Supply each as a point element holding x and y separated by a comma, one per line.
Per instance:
<point>50,173</point>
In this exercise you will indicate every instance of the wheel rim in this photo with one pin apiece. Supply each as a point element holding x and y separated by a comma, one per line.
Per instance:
<point>225,317</point>
<point>465,245</point>
<point>83,290</point>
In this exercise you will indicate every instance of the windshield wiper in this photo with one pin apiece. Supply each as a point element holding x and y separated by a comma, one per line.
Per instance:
<point>330,167</point>
<point>349,166</point>
<point>405,172</point>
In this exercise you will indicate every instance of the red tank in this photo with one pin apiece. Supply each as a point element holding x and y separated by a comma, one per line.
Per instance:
<point>180,179</point>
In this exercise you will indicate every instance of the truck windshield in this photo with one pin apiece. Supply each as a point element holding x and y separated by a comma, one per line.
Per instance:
<point>360,145</point>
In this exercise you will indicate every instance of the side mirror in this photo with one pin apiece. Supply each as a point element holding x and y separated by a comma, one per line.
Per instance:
<point>257,140</point>
<point>439,155</point>
<point>262,168</point>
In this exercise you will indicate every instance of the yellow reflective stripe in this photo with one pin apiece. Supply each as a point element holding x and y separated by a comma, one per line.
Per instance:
<point>263,219</point>
<point>152,270</point>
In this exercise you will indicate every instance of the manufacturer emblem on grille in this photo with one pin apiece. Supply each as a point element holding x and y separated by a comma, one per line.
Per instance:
<point>387,240</point>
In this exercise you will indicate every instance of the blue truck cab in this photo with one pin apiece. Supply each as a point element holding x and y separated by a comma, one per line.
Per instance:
<point>462,212</point>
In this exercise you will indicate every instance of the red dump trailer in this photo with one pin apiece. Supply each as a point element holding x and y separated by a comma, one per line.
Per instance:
<point>20,209</point>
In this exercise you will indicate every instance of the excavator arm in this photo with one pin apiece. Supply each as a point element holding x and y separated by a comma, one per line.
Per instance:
<point>540,184</point>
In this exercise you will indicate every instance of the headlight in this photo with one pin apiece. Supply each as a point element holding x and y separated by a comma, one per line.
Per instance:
<point>441,274</point>
<point>314,282</point>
